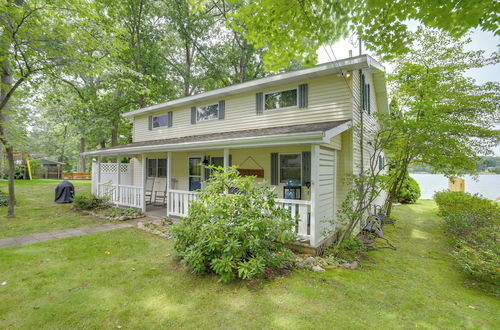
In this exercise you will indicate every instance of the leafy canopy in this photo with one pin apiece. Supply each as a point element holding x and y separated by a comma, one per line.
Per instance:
<point>443,118</point>
<point>290,29</point>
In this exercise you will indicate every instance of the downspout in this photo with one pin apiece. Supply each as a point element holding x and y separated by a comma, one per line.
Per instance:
<point>361,133</point>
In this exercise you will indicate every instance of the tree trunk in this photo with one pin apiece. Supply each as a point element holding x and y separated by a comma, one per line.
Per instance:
<point>12,172</point>
<point>102,144</point>
<point>6,79</point>
<point>114,133</point>
<point>81,165</point>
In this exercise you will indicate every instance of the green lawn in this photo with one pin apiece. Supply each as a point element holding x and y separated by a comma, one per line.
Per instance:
<point>128,279</point>
<point>36,211</point>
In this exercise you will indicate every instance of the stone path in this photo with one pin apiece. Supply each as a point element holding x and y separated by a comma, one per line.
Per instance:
<point>52,235</point>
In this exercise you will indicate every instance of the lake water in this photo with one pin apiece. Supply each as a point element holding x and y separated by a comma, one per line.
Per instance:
<point>487,185</point>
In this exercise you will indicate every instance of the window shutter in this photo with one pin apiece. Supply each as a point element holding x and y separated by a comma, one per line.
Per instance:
<point>274,168</point>
<point>363,92</point>
<point>303,96</point>
<point>306,167</point>
<point>259,103</point>
<point>368,105</point>
<point>230,160</point>
<point>170,118</point>
<point>193,115</point>
<point>222,109</point>
<point>150,122</point>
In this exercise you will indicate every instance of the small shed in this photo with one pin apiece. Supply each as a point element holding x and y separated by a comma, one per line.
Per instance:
<point>54,169</point>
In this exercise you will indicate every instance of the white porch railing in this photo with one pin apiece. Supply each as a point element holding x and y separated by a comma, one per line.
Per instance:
<point>178,205</point>
<point>178,202</point>
<point>124,195</point>
<point>299,210</point>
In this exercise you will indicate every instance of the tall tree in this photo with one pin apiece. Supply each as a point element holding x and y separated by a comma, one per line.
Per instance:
<point>288,29</point>
<point>33,43</point>
<point>442,119</point>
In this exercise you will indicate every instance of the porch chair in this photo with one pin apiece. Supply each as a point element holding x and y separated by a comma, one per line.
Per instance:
<point>148,190</point>
<point>161,195</point>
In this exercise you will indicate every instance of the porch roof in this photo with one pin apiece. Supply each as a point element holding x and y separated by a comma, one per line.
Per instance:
<point>317,133</point>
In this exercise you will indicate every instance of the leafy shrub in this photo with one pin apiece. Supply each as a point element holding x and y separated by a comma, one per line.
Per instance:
<point>350,249</point>
<point>237,235</point>
<point>409,192</point>
<point>116,212</point>
<point>450,202</point>
<point>88,202</point>
<point>473,224</point>
<point>4,199</point>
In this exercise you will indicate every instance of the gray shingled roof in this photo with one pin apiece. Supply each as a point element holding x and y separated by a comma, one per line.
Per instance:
<point>271,131</point>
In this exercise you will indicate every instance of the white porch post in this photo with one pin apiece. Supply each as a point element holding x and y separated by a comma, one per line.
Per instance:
<point>314,193</point>
<point>118,179</point>
<point>226,157</point>
<point>169,179</point>
<point>144,168</point>
<point>98,175</point>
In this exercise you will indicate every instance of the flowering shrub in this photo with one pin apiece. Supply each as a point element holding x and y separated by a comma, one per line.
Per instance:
<point>234,235</point>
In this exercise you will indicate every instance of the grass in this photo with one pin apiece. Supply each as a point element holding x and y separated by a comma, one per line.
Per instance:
<point>128,278</point>
<point>37,212</point>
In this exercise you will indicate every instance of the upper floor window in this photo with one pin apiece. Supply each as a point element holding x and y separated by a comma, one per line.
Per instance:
<point>160,121</point>
<point>207,112</point>
<point>280,99</point>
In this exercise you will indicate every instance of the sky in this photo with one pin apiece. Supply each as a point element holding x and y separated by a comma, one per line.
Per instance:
<point>480,41</point>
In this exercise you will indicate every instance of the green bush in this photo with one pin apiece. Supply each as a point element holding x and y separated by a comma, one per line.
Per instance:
<point>351,248</point>
<point>452,202</point>
<point>4,199</point>
<point>473,224</point>
<point>409,192</point>
<point>87,202</point>
<point>116,212</point>
<point>237,235</point>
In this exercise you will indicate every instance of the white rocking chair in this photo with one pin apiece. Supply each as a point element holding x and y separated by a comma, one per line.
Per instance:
<point>148,190</point>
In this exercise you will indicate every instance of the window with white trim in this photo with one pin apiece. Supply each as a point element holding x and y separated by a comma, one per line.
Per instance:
<point>160,121</point>
<point>207,112</point>
<point>290,167</point>
<point>195,173</point>
<point>157,167</point>
<point>281,99</point>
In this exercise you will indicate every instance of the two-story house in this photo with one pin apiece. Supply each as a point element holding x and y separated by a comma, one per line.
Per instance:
<point>293,130</point>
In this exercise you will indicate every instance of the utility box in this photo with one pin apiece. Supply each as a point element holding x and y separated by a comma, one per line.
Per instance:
<point>456,184</point>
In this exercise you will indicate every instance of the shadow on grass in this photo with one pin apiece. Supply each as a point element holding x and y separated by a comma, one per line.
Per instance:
<point>128,278</point>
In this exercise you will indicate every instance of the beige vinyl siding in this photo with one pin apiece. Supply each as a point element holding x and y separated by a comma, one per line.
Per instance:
<point>356,122</point>
<point>370,126</point>
<point>137,170</point>
<point>370,123</point>
<point>325,194</point>
<point>344,167</point>
<point>329,99</point>
<point>335,142</point>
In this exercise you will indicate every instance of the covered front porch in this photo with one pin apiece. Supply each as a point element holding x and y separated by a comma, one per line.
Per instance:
<point>301,168</point>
